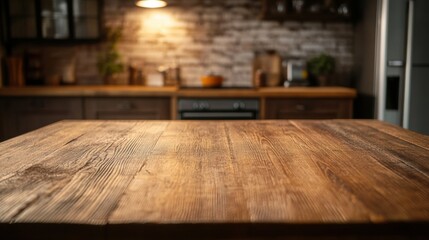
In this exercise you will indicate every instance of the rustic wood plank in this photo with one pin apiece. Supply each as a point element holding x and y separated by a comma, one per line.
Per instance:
<point>82,181</point>
<point>314,173</point>
<point>394,153</point>
<point>191,165</point>
<point>371,171</point>
<point>31,148</point>
<point>299,190</point>
<point>397,132</point>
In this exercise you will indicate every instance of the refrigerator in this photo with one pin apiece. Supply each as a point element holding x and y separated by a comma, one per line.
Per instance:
<point>403,63</point>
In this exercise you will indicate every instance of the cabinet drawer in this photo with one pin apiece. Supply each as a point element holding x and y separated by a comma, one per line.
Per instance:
<point>308,108</point>
<point>21,115</point>
<point>41,104</point>
<point>127,108</point>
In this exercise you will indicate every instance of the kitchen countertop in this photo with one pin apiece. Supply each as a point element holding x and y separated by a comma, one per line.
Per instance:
<point>70,91</point>
<point>78,91</point>
<point>217,179</point>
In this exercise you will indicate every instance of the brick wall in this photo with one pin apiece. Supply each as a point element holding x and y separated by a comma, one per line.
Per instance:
<point>219,36</point>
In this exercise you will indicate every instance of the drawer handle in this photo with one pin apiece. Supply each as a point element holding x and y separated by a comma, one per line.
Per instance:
<point>300,107</point>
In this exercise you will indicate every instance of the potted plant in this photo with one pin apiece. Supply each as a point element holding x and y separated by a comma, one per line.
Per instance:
<point>109,60</point>
<point>321,67</point>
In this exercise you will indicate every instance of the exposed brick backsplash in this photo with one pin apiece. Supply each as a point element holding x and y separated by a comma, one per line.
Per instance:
<point>219,36</point>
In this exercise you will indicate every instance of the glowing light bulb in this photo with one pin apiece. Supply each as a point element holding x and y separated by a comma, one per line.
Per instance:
<point>151,3</point>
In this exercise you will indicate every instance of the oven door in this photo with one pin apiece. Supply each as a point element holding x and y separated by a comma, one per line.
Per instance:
<point>218,115</point>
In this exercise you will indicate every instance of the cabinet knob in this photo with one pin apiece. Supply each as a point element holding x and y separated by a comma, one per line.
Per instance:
<point>195,106</point>
<point>204,106</point>
<point>239,106</point>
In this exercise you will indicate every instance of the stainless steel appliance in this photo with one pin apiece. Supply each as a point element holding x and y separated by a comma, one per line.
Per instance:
<point>295,72</point>
<point>213,108</point>
<point>403,63</point>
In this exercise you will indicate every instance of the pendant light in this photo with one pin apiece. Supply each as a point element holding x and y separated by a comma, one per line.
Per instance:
<point>151,3</point>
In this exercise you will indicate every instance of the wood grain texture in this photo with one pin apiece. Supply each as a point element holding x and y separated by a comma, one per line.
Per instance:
<point>350,179</point>
<point>77,180</point>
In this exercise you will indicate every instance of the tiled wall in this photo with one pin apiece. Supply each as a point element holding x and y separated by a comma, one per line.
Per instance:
<point>219,36</point>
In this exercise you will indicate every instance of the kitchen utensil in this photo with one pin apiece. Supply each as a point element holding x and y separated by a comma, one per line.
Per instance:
<point>211,81</point>
<point>269,63</point>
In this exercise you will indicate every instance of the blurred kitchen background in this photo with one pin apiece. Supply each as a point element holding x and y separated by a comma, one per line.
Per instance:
<point>62,42</point>
<point>202,36</point>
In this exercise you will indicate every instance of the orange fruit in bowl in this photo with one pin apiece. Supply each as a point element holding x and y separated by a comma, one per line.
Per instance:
<point>211,81</point>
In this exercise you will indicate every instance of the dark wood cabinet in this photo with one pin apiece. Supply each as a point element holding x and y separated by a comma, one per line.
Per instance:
<point>314,108</point>
<point>52,20</point>
<point>308,10</point>
<point>21,115</point>
<point>25,109</point>
<point>127,108</point>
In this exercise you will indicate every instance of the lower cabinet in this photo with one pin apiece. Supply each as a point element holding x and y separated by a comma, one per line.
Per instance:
<point>21,115</point>
<point>127,108</point>
<point>312,108</point>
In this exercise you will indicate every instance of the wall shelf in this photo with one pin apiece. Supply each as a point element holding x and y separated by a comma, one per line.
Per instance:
<point>308,10</point>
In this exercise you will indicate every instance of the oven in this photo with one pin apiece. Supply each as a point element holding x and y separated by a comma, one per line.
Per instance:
<point>217,109</point>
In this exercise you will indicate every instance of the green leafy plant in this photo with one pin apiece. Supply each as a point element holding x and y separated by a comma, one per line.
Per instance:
<point>109,60</point>
<point>321,65</point>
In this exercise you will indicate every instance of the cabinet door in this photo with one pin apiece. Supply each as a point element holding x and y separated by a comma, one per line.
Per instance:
<point>55,19</point>
<point>48,20</point>
<point>127,108</point>
<point>86,15</point>
<point>278,108</point>
<point>22,19</point>
<point>21,115</point>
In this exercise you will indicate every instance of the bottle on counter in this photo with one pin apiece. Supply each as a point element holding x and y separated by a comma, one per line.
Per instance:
<point>69,73</point>
<point>172,74</point>
<point>135,75</point>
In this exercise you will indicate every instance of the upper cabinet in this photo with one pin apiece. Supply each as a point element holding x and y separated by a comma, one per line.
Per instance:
<point>308,10</point>
<point>22,19</point>
<point>53,20</point>
<point>86,18</point>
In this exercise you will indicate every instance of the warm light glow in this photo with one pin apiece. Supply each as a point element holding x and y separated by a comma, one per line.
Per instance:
<point>159,22</point>
<point>151,3</point>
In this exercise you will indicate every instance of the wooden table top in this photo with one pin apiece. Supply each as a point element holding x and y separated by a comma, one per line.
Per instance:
<point>260,179</point>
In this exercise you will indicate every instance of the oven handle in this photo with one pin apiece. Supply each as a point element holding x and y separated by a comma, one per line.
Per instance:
<point>193,115</point>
